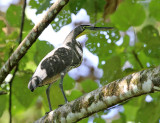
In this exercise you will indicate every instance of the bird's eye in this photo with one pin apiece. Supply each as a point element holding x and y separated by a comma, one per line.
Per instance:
<point>84,27</point>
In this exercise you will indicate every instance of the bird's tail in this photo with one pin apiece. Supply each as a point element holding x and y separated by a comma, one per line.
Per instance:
<point>34,82</point>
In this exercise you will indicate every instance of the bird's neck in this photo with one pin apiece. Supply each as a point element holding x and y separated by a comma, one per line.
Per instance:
<point>71,37</point>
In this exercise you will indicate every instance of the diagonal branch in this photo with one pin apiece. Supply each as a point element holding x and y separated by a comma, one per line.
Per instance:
<point>136,84</point>
<point>31,38</point>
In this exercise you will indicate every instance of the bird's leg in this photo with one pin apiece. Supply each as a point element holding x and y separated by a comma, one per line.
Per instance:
<point>61,86</point>
<point>48,98</point>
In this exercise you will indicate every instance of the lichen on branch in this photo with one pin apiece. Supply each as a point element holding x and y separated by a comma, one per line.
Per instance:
<point>136,84</point>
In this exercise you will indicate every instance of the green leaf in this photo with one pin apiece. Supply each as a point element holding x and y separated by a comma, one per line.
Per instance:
<point>37,52</point>
<point>94,8</point>
<point>13,36</point>
<point>68,83</point>
<point>85,120</point>
<point>18,107</point>
<point>122,118</point>
<point>56,96</point>
<point>34,4</point>
<point>112,69</point>
<point>155,96</point>
<point>153,49</point>
<point>100,45</point>
<point>148,34</point>
<point>75,6</point>
<point>130,112</point>
<point>2,24</point>
<point>148,112</point>
<point>96,5</point>
<point>74,95</point>
<point>42,49</point>
<point>7,48</point>
<point>46,4</point>
<point>13,15</point>
<point>28,25</point>
<point>21,91</point>
<point>89,85</point>
<point>27,61</point>
<point>99,120</point>
<point>154,8</point>
<point>62,19</point>
<point>3,102</point>
<point>128,14</point>
<point>146,59</point>
<point>2,34</point>
<point>126,41</point>
<point>131,107</point>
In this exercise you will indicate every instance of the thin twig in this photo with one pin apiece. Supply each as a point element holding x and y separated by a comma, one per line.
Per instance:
<point>10,95</point>
<point>137,59</point>
<point>22,22</point>
<point>16,68</point>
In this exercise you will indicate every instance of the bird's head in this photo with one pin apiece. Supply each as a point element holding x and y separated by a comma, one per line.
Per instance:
<point>85,29</point>
<point>81,30</point>
<point>34,82</point>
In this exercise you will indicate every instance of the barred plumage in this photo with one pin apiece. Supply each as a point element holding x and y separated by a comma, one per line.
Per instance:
<point>59,61</point>
<point>49,69</point>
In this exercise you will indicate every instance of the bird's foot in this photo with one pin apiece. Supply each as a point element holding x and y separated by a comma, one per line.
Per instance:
<point>60,105</point>
<point>48,112</point>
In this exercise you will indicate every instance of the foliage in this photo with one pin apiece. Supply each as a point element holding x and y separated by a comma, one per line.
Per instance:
<point>141,50</point>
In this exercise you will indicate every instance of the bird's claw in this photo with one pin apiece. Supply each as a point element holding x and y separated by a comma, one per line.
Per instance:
<point>47,112</point>
<point>60,105</point>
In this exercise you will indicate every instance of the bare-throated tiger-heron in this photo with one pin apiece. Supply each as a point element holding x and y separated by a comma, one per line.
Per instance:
<point>60,60</point>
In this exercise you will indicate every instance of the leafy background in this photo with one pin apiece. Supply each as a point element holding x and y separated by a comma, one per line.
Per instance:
<point>141,16</point>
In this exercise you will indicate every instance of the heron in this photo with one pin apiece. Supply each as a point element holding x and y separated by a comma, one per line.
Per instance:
<point>59,61</point>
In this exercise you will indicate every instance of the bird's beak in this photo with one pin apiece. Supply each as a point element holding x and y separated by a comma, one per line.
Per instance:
<point>98,28</point>
<point>89,28</point>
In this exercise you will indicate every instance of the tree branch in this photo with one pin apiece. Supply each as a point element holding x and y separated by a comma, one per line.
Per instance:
<point>22,22</point>
<point>136,84</point>
<point>31,38</point>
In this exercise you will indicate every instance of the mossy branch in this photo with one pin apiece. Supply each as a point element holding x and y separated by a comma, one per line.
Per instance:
<point>136,84</point>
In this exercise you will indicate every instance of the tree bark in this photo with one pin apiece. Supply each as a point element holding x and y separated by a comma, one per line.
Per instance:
<point>136,84</point>
<point>31,38</point>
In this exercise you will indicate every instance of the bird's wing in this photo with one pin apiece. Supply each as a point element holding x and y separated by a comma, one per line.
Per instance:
<point>57,62</point>
<point>50,67</point>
